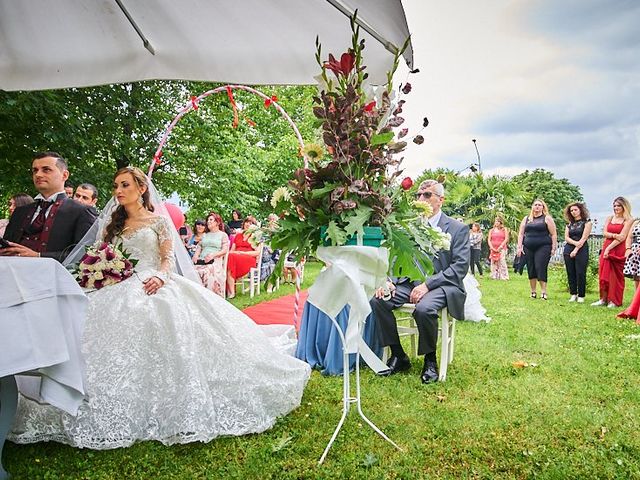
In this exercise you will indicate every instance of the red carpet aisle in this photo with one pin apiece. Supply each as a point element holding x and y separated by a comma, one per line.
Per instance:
<point>276,312</point>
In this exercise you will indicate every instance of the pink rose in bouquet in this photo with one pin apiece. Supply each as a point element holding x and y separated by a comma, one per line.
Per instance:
<point>102,265</point>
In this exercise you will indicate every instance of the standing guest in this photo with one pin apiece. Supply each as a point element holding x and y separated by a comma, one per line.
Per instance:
<point>632,253</point>
<point>242,258</point>
<point>87,194</point>
<point>475,239</point>
<point>210,253</point>
<point>537,240</point>
<point>68,189</point>
<point>199,229</point>
<point>498,240</point>
<point>53,224</point>
<point>235,224</point>
<point>18,200</point>
<point>612,257</point>
<point>576,249</point>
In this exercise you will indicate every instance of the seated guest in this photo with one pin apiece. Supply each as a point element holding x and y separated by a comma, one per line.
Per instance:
<point>68,189</point>
<point>52,225</point>
<point>444,288</point>
<point>184,231</point>
<point>199,229</point>
<point>87,194</point>
<point>209,255</point>
<point>242,258</point>
<point>18,200</point>
<point>235,224</point>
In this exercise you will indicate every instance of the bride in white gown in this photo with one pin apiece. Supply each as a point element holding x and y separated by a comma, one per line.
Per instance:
<point>166,359</point>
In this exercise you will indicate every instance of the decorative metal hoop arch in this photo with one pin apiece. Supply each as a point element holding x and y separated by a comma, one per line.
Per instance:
<point>193,105</point>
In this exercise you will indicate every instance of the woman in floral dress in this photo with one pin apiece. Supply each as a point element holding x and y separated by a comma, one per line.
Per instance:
<point>632,252</point>
<point>210,254</point>
<point>498,240</point>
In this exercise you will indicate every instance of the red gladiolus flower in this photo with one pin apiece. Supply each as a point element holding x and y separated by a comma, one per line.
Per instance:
<point>344,66</point>
<point>369,106</point>
<point>407,183</point>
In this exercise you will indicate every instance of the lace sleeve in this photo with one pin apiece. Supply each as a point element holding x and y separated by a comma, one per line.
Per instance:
<point>165,248</point>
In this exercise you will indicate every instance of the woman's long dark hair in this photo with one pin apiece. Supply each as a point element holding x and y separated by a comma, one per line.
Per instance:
<point>118,217</point>
<point>20,199</point>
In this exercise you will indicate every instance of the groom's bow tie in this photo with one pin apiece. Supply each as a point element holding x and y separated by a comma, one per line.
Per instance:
<point>38,223</point>
<point>44,204</point>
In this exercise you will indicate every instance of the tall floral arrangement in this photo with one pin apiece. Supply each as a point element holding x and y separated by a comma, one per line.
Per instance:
<point>352,181</point>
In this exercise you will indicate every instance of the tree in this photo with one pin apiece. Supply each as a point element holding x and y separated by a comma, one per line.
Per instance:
<point>556,192</point>
<point>207,162</point>
<point>479,198</point>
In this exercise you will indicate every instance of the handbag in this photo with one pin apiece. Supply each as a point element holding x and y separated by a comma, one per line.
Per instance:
<point>519,262</point>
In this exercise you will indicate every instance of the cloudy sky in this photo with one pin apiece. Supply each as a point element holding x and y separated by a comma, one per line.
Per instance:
<point>539,83</point>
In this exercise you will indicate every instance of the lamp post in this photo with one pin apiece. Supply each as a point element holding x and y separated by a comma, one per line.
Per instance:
<point>477,153</point>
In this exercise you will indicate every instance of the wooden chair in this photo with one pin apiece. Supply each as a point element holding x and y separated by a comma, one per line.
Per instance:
<point>447,334</point>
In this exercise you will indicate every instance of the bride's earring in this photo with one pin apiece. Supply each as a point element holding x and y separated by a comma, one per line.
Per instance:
<point>140,200</point>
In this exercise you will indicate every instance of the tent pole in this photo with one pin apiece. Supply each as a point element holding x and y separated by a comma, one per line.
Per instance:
<point>339,5</point>
<point>145,41</point>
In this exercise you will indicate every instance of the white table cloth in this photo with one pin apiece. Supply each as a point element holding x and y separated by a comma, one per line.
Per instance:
<point>42,312</point>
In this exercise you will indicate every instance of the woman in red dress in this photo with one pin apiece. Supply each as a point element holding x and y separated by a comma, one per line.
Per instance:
<point>242,257</point>
<point>612,258</point>
<point>633,311</point>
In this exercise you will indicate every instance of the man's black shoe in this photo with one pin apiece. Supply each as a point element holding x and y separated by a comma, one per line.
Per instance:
<point>429,372</point>
<point>396,364</point>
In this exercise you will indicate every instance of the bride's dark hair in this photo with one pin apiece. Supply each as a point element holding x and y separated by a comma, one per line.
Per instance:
<point>119,215</point>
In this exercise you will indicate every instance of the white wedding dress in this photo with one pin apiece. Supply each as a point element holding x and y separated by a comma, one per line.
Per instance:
<point>473,309</point>
<point>179,366</point>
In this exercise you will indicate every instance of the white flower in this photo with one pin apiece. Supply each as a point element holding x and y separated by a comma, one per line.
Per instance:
<point>442,241</point>
<point>322,85</point>
<point>372,92</point>
<point>119,265</point>
<point>280,193</point>
<point>98,276</point>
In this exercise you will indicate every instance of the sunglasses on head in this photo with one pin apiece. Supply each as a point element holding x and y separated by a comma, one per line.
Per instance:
<point>426,195</point>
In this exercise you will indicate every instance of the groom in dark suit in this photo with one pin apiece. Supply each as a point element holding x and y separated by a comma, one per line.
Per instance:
<point>52,225</point>
<point>442,289</point>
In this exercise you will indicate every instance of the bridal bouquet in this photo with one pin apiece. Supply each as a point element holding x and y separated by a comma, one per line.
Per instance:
<point>353,181</point>
<point>104,264</point>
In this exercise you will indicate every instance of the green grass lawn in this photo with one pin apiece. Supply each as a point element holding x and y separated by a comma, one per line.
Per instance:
<point>573,413</point>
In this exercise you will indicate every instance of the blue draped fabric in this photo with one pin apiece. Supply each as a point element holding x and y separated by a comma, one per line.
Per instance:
<point>319,343</point>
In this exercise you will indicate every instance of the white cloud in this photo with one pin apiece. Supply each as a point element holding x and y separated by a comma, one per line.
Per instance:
<point>540,84</point>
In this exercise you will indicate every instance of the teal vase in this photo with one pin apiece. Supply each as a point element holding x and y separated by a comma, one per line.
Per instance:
<point>372,237</point>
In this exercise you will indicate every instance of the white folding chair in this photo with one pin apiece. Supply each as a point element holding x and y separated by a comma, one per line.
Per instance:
<point>253,277</point>
<point>225,261</point>
<point>299,266</point>
<point>447,334</point>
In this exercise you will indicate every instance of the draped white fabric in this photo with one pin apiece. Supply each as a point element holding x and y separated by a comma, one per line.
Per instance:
<point>41,321</point>
<point>352,275</point>
<point>54,44</point>
<point>179,366</point>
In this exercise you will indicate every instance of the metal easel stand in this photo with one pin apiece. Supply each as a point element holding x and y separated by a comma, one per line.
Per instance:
<point>347,399</point>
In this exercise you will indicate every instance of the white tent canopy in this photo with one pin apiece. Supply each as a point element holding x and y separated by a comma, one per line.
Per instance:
<point>47,44</point>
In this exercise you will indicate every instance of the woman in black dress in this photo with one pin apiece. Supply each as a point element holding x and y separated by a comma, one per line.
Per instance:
<point>576,249</point>
<point>538,239</point>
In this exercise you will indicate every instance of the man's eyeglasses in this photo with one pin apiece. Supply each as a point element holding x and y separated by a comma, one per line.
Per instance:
<point>426,195</point>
